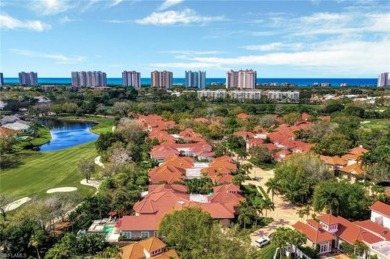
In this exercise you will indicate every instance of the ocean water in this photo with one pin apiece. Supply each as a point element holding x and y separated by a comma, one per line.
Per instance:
<point>297,81</point>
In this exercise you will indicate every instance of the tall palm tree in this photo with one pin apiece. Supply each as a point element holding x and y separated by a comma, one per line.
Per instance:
<point>36,240</point>
<point>301,213</point>
<point>246,214</point>
<point>273,187</point>
<point>327,199</point>
<point>258,207</point>
<point>268,205</point>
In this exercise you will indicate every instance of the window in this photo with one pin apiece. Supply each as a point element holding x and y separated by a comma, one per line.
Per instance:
<point>144,234</point>
<point>323,248</point>
<point>128,235</point>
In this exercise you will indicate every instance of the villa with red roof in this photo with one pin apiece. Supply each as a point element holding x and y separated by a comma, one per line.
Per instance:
<point>347,165</point>
<point>222,205</point>
<point>152,247</point>
<point>330,232</point>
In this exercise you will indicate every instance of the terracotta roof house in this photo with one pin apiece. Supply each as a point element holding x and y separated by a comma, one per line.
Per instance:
<point>163,152</point>
<point>352,172</point>
<point>173,170</point>
<point>254,142</point>
<point>331,231</point>
<point>151,247</point>
<point>161,136</point>
<point>281,155</point>
<point>244,134</point>
<point>219,175</point>
<point>380,214</point>
<point>6,133</point>
<point>242,116</point>
<point>163,199</point>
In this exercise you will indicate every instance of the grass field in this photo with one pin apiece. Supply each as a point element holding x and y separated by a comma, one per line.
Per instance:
<point>376,124</point>
<point>41,171</point>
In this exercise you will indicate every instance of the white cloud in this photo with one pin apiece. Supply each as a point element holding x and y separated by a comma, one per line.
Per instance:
<point>186,16</point>
<point>67,19</point>
<point>193,52</point>
<point>274,46</point>
<point>10,23</point>
<point>169,3</point>
<point>59,58</point>
<point>338,57</point>
<point>115,2</point>
<point>50,7</point>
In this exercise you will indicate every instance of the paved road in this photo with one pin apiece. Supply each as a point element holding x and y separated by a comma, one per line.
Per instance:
<point>285,214</point>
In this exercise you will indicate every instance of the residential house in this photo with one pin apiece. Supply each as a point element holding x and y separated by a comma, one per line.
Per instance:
<point>162,199</point>
<point>151,247</point>
<point>330,232</point>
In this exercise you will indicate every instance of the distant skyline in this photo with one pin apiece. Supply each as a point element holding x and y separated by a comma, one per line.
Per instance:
<point>278,39</point>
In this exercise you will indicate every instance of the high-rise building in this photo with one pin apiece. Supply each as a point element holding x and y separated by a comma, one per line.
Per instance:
<point>30,78</point>
<point>90,78</point>
<point>196,79</point>
<point>243,79</point>
<point>162,79</point>
<point>1,79</point>
<point>131,78</point>
<point>384,79</point>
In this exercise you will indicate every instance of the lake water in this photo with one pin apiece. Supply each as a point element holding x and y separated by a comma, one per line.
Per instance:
<point>65,134</point>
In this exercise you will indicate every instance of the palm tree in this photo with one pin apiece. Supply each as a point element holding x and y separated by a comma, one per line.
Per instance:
<point>273,187</point>
<point>329,199</point>
<point>268,205</point>
<point>307,210</point>
<point>36,240</point>
<point>258,206</point>
<point>246,214</point>
<point>301,213</point>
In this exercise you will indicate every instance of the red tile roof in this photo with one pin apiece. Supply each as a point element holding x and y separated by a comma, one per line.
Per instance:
<point>374,228</point>
<point>381,208</point>
<point>5,132</point>
<point>358,151</point>
<point>139,223</point>
<point>242,116</point>
<point>315,235</point>
<point>354,169</point>
<point>170,254</point>
<point>164,151</point>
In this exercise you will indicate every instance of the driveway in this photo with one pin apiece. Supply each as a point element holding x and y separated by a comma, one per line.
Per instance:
<point>285,214</point>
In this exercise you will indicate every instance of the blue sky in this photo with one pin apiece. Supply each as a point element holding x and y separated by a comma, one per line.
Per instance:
<point>307,38</point>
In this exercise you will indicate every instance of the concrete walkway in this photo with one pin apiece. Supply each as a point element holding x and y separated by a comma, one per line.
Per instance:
<point>285,214</point>
<point>98,161</point>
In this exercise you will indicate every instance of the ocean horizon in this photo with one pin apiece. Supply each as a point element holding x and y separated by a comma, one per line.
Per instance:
<point>335,82</point>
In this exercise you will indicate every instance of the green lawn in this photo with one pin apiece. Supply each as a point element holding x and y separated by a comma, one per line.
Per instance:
<point>268,251</point>
<point>376,123</point>
<point>41,171</point>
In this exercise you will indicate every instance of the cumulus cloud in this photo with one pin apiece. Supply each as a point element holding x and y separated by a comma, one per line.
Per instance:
<point>187,16</point>
<point>8,22</point>
<point>59,58</point>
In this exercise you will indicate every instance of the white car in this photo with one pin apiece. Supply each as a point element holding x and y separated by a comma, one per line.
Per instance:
<point>262,241</point>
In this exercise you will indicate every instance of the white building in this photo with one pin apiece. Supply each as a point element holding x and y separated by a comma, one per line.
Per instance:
<point>243,79</point>
<point>162,79</point>
<point>90,78</point>
<point>196,79</point>
<point>131,78</point>
<point>30,78</point>
<point>384,79</point>
<point>380,214</point>
<point>279,96</point>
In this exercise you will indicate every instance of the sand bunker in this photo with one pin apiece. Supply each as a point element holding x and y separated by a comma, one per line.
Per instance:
<point>62,189</point>
<point>16,204</point>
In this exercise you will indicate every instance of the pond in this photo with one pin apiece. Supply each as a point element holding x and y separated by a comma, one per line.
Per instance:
<point>65,134</point>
